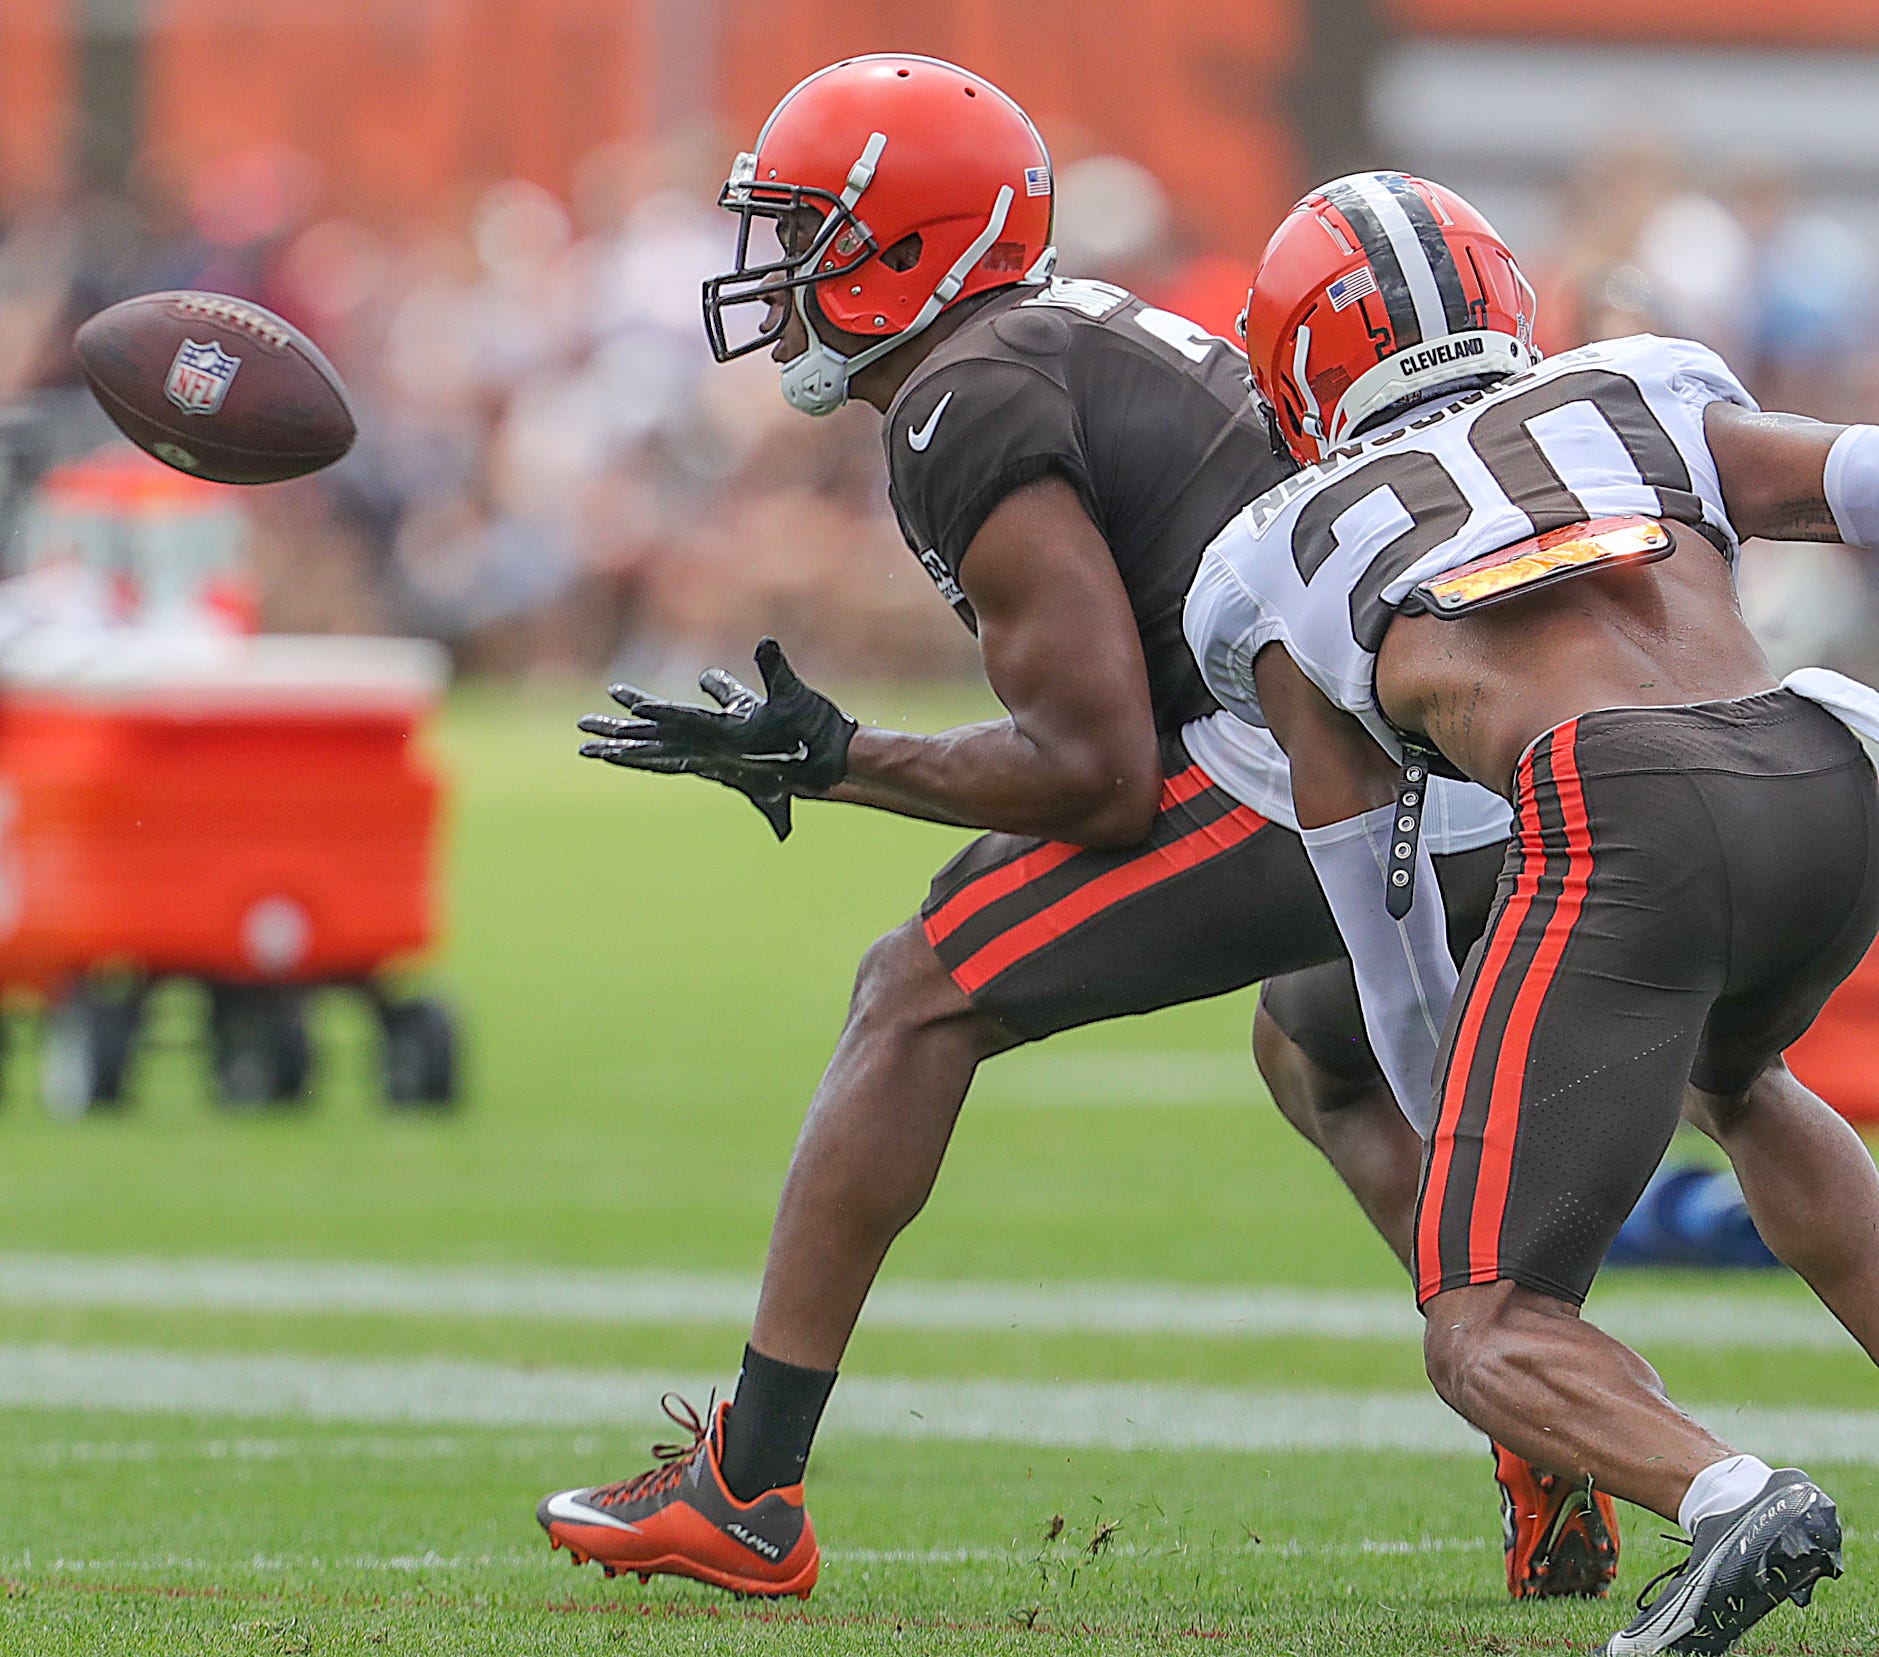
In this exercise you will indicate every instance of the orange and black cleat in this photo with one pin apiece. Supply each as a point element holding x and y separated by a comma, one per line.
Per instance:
<point>1560,1534</point>
<point>680,1519</point>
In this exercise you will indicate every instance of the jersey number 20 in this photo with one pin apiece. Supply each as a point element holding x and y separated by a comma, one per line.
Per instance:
<point>1503,441</point>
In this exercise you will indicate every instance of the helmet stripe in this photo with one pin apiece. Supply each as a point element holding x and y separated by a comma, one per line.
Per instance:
<point>1392,284</point>
<point>1435,249</point>
<point>1418,272</point>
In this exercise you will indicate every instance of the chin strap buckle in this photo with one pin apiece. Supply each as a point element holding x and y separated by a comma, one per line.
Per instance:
<point>1399,869</point>
<point>861,175</point>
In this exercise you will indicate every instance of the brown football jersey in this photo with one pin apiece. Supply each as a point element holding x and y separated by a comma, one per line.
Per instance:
<point>1146,415</point>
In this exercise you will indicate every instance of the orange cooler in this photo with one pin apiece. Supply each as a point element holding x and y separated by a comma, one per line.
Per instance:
<point>245,809</point>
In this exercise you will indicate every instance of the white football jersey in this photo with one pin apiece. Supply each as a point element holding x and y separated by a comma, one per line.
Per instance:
<point>1320,563</point>
<point>1251,766</point>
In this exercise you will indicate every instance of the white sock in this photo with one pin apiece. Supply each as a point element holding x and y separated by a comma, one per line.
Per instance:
<point>1719,1487</point>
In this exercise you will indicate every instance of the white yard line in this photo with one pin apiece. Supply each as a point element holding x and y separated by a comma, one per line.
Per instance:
<point>306,1447</point>
<point>1019,1553</point>
<point>1657,1320</point>
<point>1108,1415</point>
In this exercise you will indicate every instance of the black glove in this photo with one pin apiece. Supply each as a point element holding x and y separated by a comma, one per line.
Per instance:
<point>797,735</point>
<point>754,782</point>
<point>793,740</point>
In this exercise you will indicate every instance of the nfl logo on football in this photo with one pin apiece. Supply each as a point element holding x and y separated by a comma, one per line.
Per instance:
<point>200,376</point>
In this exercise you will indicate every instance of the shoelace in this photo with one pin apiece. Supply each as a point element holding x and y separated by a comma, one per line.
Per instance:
<point>1668,1572</point>
<point>672,1458</point>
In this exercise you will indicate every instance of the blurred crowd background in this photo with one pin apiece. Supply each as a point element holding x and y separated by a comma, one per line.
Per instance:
<point>553,477</point>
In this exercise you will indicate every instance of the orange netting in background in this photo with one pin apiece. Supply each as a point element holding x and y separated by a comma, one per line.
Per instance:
<point>1798,23</point>
<point>403,107</point>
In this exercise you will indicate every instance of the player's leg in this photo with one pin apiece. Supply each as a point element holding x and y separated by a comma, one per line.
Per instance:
<point>1311,1050</point>
<point>1796,813</point>
<point>1632,915</point>
<point>870,1147</point>
<point>1563,1068</point>
<point>1526,1369</point>
<point>1510,1358</point>
<point>1808,1178</point>
<point>869,1151</point>
<point>1018,939</point>
<point>1541,1148</point>
<point>1353,1120</point>
<point>1810,1185</point>
<point>1559,1536</point>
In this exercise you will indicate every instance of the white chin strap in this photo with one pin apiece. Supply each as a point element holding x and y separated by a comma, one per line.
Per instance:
<point>817,381</point>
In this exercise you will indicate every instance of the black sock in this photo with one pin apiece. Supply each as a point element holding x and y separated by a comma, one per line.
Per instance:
<point>771,1424</point>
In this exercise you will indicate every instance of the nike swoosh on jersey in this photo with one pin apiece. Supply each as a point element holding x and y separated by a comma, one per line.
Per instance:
<point>568,1506</point>
<point>918,437</point>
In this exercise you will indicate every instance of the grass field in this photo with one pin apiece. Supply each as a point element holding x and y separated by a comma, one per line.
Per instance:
<point>1135,1304</point>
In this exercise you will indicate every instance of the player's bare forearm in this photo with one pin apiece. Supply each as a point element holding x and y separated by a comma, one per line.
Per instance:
<point>1078,759</point>
<point>1338,770</point>
<point>985,776</point>
<point>1772,468</point>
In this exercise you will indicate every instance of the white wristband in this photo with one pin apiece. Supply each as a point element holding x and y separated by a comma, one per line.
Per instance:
<point>1852,485</point>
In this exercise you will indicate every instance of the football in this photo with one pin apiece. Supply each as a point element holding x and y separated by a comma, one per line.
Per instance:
<point>216,387</point>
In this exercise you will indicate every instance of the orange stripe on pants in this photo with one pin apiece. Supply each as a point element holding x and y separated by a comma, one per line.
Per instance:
<point>1503,1123</point>
<point>1111,887</point>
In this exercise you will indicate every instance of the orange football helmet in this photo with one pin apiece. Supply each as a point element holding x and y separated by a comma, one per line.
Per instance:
<point>879,154</point>
<point>1376,292</point>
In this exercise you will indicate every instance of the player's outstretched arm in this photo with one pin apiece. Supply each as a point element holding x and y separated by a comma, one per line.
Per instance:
<point>1344,789</point>
<point>764,747</point>
<point>1790,478</point>
<point>1078,759</point>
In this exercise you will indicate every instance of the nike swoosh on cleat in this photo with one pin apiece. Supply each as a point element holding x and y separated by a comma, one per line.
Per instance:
<point>567,1505</point>
<point>918,437</point>
<point>1571,1506</point>
<point>1674,1618</point>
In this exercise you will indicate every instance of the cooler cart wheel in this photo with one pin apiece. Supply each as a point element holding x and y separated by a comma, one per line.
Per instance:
<point>258,1034</point>
<point>420,1053</point>
<point>89,1035</point>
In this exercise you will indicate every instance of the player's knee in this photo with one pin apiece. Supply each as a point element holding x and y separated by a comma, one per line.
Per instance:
<point>1448,1347</point>
<point>893,978</point>
<point>901,987</point>
<point>1720,1112</point>
<point>1466,1344</point>
<point>1277,1058</point>
<point>1482,1344</point>
<point>1304,1090</point>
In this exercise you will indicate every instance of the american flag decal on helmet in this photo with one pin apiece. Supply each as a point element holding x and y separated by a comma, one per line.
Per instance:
<point>1037,181</point>
<point>1347,290</point>
<point>1412,264</point>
